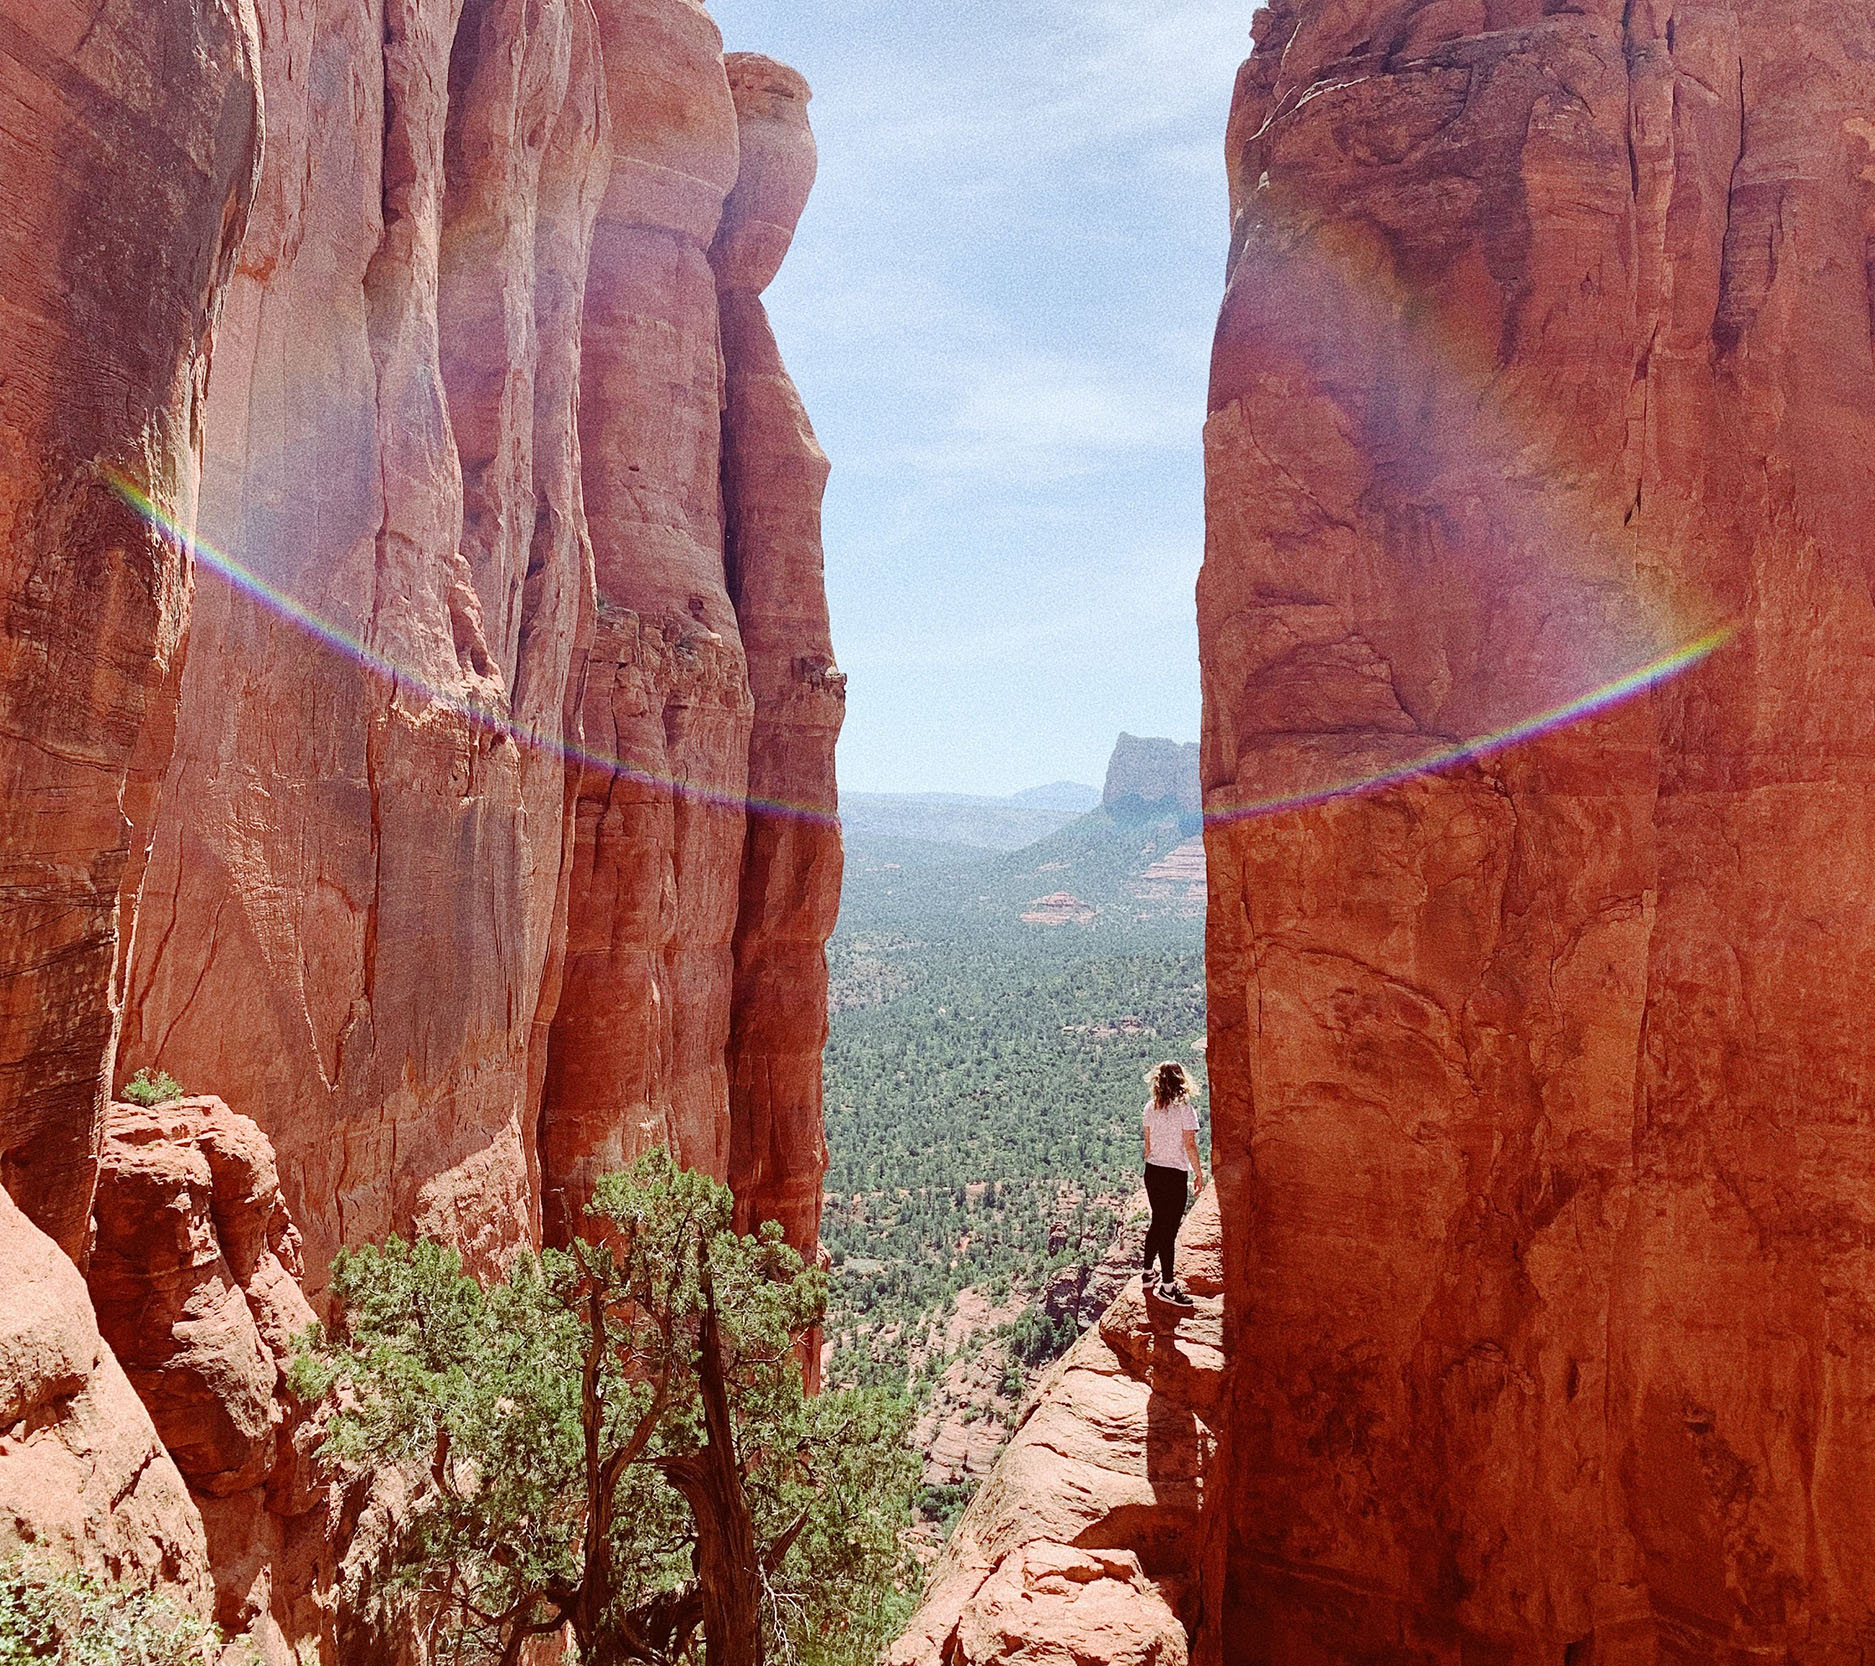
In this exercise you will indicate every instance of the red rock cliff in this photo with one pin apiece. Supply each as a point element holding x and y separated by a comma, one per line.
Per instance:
<point>707,858</point>
<point>450,887</point>
<point>352,891</point>
<point>455,975</point>
<point>128,139</point>
<point>1541,1084</point>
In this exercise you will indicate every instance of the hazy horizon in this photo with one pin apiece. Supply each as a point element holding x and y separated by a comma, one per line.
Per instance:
<point>999,309</point>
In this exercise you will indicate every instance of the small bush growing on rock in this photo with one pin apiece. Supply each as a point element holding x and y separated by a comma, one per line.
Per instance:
<point>67,1618</point>
<point>616,1439</point>
<point>145,1089</point>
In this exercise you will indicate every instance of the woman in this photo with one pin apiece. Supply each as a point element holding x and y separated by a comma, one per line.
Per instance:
<point>1171,1130</point>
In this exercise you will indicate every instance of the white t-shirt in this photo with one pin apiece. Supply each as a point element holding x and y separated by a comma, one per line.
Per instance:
<point>1166,1128</point>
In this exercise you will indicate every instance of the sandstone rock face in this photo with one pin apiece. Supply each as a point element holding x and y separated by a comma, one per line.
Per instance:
<point>637,1050</point>
<point>1538,1083</point>
<point>128,139</point>
<point>195,1278</point>
<point>774,473</point>
<point>83,1477</point>
<point>451,885</point>
<point>707,864</point>
<point>1144,773</point>
<point>357,867</point>
<point>1084,1545</point>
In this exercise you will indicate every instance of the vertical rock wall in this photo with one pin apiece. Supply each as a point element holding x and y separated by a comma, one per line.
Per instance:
<point>128,141</point>
<point>636,1055</point>
<point>354,883</point>
<point>1540,1085</point>
<point>450,887</point>
<point>707,865</point>
<point>773,475</point>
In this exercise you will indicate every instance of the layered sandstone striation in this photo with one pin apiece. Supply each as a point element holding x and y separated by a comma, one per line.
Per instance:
<point>357,869</point>
<point>1539,1084</point>
<point>128,141</point>
<point>1084,1545</point>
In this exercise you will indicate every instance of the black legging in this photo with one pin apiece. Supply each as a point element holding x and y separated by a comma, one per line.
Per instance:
<point>1165,1191</point>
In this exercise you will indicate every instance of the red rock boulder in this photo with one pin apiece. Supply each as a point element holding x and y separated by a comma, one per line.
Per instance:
<point>83,1476</point>
<point>195,1276</point>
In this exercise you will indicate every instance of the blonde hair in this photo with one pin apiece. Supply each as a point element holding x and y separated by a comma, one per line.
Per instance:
<point>1170,1081</point>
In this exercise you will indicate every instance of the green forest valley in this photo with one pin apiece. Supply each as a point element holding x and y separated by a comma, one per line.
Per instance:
<point>994,1013</point>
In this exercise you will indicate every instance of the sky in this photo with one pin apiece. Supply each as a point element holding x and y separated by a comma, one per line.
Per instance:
<point>998,309</point>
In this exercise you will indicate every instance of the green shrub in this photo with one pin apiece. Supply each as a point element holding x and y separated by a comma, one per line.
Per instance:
<point>68,1618</point>
<point>145,1089</point>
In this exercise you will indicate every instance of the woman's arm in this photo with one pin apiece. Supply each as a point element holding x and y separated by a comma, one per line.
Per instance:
<point>1197,1162</point>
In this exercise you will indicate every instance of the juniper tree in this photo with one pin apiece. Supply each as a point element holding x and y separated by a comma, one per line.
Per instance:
<point>615,1439</point>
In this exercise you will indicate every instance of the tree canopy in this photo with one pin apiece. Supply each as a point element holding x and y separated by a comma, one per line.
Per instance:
<point>616,1439</point>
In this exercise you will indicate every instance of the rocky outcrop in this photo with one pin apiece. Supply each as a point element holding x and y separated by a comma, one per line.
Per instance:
<point>773,475</point>
<point>706,871</point>
<point>357,868</point>
<point>83,1476</point>
<point>1538,1083</point>
<point>196,1281</point>
<point>1083,1546</point>
<point>128,147</point>
<point>1152,774</point>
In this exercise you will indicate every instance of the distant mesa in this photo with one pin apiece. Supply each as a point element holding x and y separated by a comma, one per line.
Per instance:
<point>978,823</point>
<point>1061,908</point>
<point>1153,774</point>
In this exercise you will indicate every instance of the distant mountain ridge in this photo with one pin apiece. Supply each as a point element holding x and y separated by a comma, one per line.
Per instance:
<point>977,822</point>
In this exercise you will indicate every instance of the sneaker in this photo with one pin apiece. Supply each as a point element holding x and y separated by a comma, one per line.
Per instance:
<point>1177,1297</point>
<point>1149,1278</point>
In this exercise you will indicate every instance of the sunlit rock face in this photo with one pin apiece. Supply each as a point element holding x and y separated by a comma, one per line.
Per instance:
<point>1540,1085</point>
<point>128,142</point>
<point>706,871</point>
<point>1085,1545</point>
<point>445,766</point>
<point>195,1276</point>
<point>83,1477</point>
<point>773,475</point>
<point>352,891</point>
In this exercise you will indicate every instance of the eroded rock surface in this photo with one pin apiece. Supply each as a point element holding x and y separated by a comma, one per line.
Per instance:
<point>1084,1545</point>
<point>195,1276</point>
<point>707,864</point>
<point>1539,1084</point>
<point>83,1476</point>
<point>774,473</point>
<point>354,881</point>
<point>128,140</point>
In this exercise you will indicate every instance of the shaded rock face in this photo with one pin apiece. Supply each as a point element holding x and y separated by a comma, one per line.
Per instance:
<point>128,144</point>
<point>1084,1546</point>
<point>1538,1085</point>
<point>83,1476</point>
<point>353,886</point>
<point>195,1276</point>
<point>1152,773</point>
